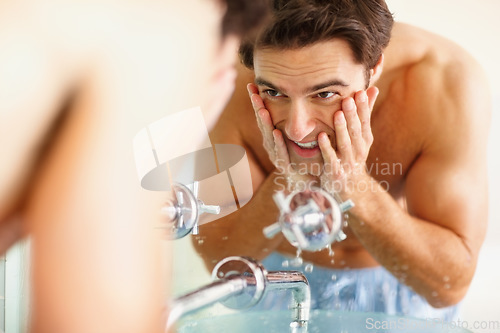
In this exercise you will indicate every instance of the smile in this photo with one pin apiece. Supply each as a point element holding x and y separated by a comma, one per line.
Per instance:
<point>307,145</point>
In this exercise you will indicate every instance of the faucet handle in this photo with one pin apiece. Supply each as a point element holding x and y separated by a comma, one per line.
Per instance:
<point>183,213</point>
<point>210,209</point>
<point>309,220</point>
<point>255,276</point>
<point>272,230</point>
<point>281,202</point>
<point>346,205</point>
<point>300,237</point>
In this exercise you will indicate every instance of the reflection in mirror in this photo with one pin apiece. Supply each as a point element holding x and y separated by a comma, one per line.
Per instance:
<point>341,108</point>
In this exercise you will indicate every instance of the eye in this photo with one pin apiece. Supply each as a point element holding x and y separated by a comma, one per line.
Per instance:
<point>273,93</point>
<point>326,94</point>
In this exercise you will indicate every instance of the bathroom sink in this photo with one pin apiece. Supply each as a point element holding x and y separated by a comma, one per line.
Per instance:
<point>320,322</point>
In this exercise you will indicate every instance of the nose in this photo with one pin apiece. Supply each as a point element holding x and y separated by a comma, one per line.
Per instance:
<point>299,123</point>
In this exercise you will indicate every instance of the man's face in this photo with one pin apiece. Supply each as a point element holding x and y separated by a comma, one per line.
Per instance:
<point>302,89</point>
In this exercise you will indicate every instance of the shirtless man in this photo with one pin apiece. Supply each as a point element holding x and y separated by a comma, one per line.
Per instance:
<point>78,80</point>
<point>400,129</point>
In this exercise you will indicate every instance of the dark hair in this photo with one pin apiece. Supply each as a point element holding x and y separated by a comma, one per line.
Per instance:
<point>242,17</point>
<point>365,24</point>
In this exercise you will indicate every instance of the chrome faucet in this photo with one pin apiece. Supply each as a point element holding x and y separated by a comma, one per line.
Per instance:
<point>183,212</point>
<point>310,220</point>
<point>240,283</point>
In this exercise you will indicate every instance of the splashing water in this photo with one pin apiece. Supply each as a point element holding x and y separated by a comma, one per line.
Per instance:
<point>297,261</point>
<point>330,251</point>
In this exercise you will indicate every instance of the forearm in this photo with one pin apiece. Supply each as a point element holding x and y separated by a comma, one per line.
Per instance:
<point>240,233</point>
<point>433,260</point>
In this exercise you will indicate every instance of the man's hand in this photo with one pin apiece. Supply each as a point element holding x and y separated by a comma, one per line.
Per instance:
<point>275,144</point>
<point>345,166</point>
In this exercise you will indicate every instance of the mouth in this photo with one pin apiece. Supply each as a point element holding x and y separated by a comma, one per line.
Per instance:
<point>307,145</point>
<point>306,149</point>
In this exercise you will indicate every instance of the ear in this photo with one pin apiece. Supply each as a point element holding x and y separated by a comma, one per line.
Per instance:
<point>376,71</point>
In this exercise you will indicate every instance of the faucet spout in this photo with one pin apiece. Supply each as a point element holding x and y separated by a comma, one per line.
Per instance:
<point>297,283</point>
<point>205,296</point>
<point>240,283</point>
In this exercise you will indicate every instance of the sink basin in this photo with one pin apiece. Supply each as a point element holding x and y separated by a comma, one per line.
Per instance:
<point>321,321</point>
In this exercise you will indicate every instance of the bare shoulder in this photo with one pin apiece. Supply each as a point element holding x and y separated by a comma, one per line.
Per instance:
<point>443,85</point>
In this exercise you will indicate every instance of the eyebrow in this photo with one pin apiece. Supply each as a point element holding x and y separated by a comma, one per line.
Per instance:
<point>333,83</point>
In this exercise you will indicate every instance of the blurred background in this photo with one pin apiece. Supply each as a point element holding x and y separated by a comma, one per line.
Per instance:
<point>473,25</point>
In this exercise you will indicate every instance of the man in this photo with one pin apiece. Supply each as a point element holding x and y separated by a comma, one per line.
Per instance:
<point>398,127</point>
<point>78,80</point>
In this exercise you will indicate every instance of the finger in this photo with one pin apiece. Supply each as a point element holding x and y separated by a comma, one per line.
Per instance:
<point>263,116</point>
<point>351,109</point>
<point>267,125</point>
<point>252,89</point>
<point>282,157</point>
<point>344,148</point>
<point>257,102</point>
<point>364,113</point>
<point>372,94</point>
<point>331,163</point>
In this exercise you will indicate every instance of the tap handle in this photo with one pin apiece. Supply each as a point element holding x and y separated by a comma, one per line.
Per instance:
<point>170,211</point>
<point>272,230</point>
<point>281,202</point>
<point>340,236</point>
<point>210,209</point>
<point>182,213</point>
<point>346,205</point>
<point>299,236</point>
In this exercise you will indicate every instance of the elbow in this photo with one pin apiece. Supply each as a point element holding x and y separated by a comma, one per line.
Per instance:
<point>447,294</point>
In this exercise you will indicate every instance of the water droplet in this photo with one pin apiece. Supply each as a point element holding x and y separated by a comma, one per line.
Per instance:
<point>334,277</point>
<point>337,306</point>
<point>346,216</point>
<point>201,241</point>
<point>225,238</point>
<point>221,274</point>
<point>309,268</point>
<point>331,253</point>
<point>336,293</point>
<point>332,261</point>
<point>446,278</point>
<point>434,294</point>
<point>342,262</point>
<point>447,286</point>
<point>296,262</point>
<point>285,263</point>
<point>346,224</point>
<point>265,249</point>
